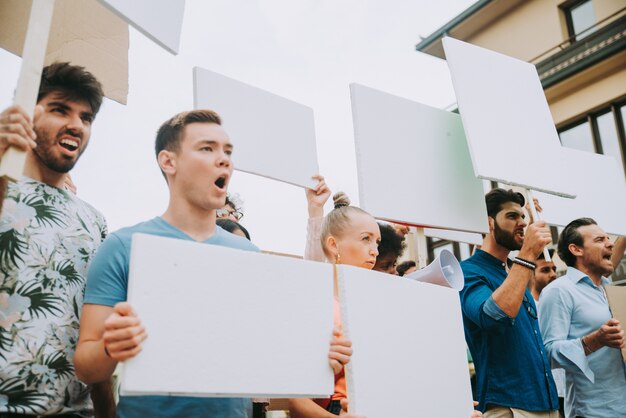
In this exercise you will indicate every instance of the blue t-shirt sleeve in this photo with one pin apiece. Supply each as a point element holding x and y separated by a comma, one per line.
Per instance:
<point>107,279</point>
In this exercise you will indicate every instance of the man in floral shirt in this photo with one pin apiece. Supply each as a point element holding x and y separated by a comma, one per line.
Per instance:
<point>47,238</point>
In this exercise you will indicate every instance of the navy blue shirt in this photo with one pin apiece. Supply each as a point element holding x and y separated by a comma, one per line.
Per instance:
<point>512,369</point>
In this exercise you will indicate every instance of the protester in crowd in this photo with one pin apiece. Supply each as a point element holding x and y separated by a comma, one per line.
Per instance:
<point>231,210</point>
<point>406,267</point>
<point>391,247</point>
<point>392,243</point>
<point>500,316</point>
<point>233,227</point>
<point>316,199</point>
<point>578,329</point>
<point>48,239</point>
<point>350,236</point>
<point>194,153</point>
<point>619,249</point>
<point>545,273</point>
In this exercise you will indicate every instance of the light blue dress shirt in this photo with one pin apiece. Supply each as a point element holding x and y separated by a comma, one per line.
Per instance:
<point>571,307</point>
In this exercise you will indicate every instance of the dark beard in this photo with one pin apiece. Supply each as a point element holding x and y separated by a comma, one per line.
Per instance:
<point>505,239</point>
<point>60,165</point>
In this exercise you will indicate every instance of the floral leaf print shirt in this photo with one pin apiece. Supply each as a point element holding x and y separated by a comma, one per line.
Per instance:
<point>47,238</point>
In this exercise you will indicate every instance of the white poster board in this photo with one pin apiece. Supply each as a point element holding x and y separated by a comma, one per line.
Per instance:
<point>617,302</point>
<point>226,322</point>
<point>600,193</point>
<point>397,368</point>
<point>509,128</point>
<point>413,163</point>
<point>159,20</point>
<point>273,137</point>
<point>456,236</point>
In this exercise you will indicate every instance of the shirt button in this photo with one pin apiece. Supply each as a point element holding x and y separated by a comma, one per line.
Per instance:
<point>535,331</point>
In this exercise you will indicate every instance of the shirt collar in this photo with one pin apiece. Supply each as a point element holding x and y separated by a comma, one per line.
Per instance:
<point>576,276</point>
<point>488,258</point>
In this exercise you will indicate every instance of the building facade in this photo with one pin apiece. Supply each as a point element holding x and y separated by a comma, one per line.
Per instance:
<point>579,49</point>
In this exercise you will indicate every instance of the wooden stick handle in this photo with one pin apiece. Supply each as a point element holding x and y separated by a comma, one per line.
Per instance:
<point>33,56</point>
<point>536,218</point>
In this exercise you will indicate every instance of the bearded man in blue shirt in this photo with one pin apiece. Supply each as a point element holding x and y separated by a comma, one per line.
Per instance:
<point>500,317</point>
<point>577,326</point>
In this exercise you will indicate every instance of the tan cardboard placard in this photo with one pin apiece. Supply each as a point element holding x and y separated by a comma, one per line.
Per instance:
<point>83,32</point>
<point>617,302</point>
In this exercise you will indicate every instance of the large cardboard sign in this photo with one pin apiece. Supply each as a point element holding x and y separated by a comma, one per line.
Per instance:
<point>430,181</point>
<point>391,322</point>
<point>226,322</point>
<point>273,137</point>
<point>600,193</point>
<point>617,302</point>
<point>509,128</point>
<point>83,32</point>
<point>159,20</point>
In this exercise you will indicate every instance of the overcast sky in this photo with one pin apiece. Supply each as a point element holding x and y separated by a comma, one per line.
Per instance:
<point>308,51</point>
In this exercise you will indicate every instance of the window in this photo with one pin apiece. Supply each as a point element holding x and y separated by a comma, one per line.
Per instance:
<point>602,132</point>
<point>578,137</point>
<point>609,136</point>
<point>580,18</point>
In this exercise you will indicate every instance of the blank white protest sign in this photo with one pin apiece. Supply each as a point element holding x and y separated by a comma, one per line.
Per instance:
<point>409,356</point>
<point>159,20</point>
<point>226,322</point>
<point>274,137</point>
<point>509,128</point>
<point>457,236</point>
<point>432,183</point>
<point>600,193</point>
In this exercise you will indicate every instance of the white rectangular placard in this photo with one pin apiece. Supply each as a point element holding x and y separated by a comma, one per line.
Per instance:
<point>456,236</point>
<point>509,128</point>
<point>226,322</point>
<point>273,137</point>
<point>159,20</point>
<point>409,356</point>
<point>600,193</point>
<point>430,182</point>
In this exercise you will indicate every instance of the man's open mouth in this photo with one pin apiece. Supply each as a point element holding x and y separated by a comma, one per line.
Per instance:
<point>69,144</point>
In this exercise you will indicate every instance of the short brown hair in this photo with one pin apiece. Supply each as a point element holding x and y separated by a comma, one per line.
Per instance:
<point>73,82</point>
<point>571,235</point>
<point>169,134</point>
<point>498,197</point>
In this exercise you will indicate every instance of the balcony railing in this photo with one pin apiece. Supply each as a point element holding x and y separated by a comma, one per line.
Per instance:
<point>605,39</point>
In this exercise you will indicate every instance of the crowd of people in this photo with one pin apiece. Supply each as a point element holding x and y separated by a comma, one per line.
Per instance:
<point>65,323</point>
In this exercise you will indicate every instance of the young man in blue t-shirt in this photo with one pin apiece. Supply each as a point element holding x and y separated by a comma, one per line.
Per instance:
<point>194,153</point>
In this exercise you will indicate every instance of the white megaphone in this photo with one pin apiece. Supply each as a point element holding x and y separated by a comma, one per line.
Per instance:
<point>444,271</point>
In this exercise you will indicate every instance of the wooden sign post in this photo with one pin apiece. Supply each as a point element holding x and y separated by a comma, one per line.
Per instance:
<point>35,44</point>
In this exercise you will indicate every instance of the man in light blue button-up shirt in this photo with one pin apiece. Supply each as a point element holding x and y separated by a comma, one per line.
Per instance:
<point>579,333</point>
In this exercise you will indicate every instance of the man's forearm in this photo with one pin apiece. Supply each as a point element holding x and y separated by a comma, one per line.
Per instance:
<point>92,363</point>
<point>618,251</point>
<point>510,294</point>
